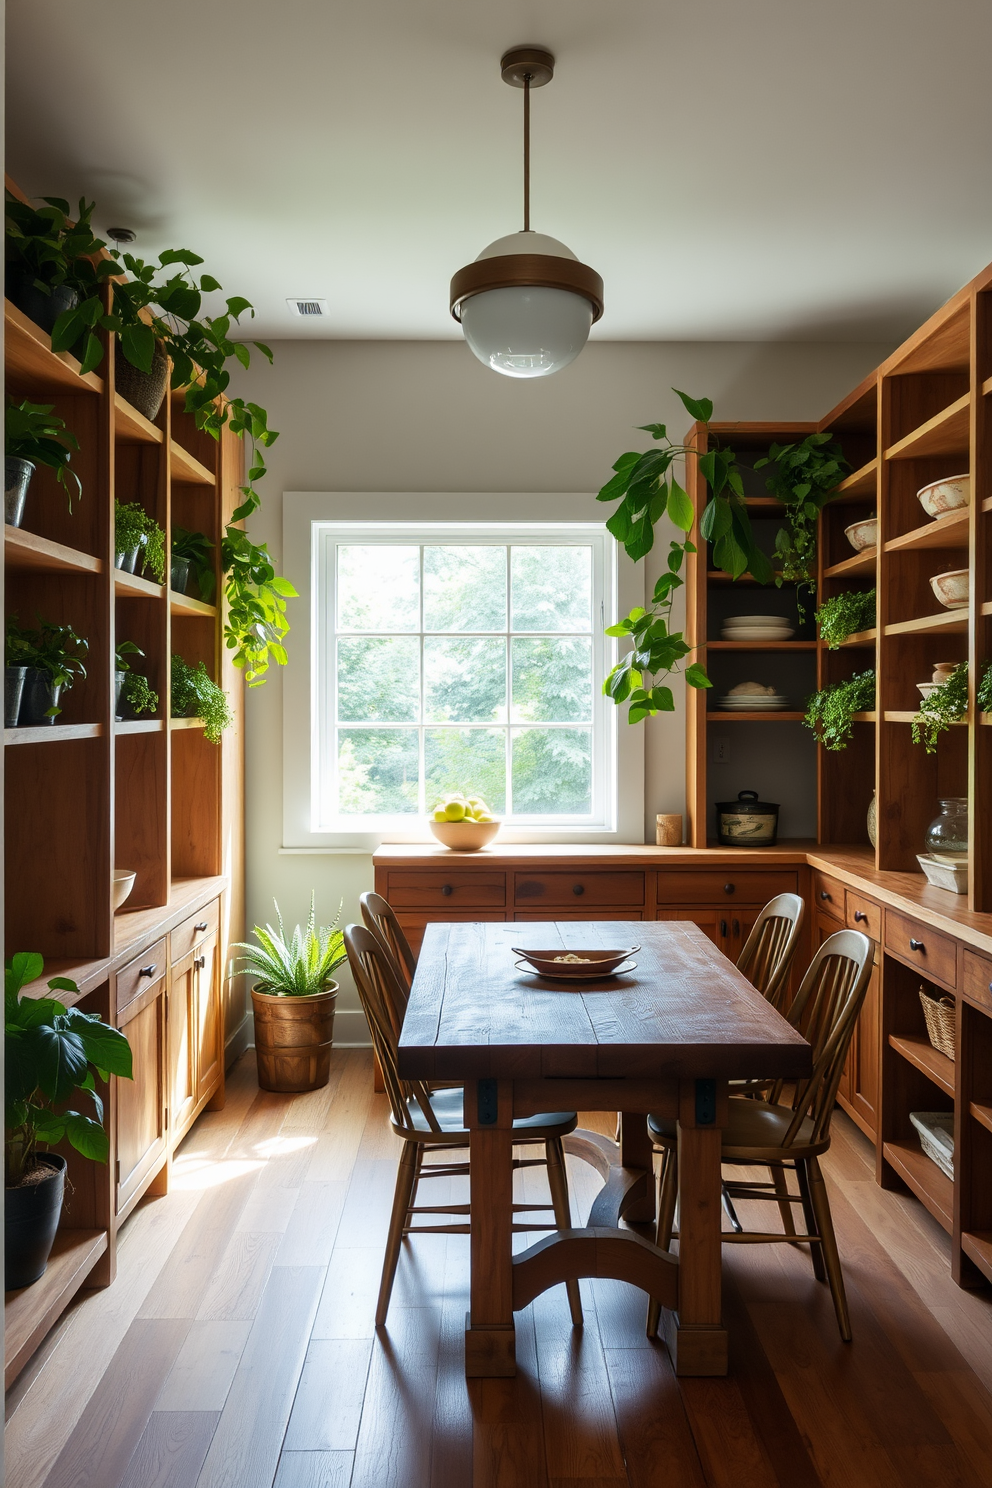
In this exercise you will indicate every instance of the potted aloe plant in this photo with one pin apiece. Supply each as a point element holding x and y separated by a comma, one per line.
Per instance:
<point>34,436</point>
<point>53,1056</point>
<point>293,1000</point>
<point>52,657</point>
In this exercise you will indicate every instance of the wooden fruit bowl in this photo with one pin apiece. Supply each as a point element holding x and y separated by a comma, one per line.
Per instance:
<point>464,836</point>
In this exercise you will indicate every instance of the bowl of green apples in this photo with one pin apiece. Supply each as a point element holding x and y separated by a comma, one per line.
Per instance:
<point>463,823</point>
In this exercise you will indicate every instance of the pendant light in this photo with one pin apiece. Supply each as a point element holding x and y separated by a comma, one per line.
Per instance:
<point>526,304</point>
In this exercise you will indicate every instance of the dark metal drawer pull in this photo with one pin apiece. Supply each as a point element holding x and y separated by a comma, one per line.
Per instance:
<point>728,888</point>
<point>446,889</point>
<point>723,927</point>
<point>860,915</point>
<point>578,888</point>
<point>916,945</point>
<point>200,961</point>
<point>147,970</point>
<point>824,894</point>
<point>201,926</point>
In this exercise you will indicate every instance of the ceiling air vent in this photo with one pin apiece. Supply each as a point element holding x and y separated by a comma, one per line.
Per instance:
<point>308,307</point>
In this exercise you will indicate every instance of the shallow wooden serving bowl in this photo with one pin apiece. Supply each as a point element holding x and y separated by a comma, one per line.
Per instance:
<point>597,964</point>
<point>464,836</point>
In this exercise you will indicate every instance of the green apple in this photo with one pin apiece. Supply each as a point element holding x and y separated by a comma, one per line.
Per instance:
<point>454,811</point>
<point>439,814</point>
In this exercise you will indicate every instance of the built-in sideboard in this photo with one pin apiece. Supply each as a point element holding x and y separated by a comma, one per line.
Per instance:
<point>923,937</point>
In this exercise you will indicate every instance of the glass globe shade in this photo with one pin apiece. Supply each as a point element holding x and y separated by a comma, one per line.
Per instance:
<point>526,331</point>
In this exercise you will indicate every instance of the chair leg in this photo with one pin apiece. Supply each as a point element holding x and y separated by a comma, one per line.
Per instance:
<point>558,1183</point>
<point>821,1208</point>
<point>781,1183</point>
<point>406,1181</point>
<point>668,1192</point>
<point>812,1226</point>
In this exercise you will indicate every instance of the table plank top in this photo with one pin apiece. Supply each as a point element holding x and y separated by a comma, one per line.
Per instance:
<point>686,1012</point>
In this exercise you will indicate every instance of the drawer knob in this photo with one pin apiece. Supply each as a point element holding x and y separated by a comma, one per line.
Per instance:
<point>147,970</point>
<point>446,889</point>
<point>860,915</point>
<point>202,925</point>
<point>916,945</point>
<point>728,888</point>
<point>824,894</point>
<point>578,888</point>
<point>200,961</point>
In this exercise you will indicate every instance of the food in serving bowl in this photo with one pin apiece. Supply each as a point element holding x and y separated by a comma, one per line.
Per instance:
<point>463,823</point>
<point>863,534</point>
<point>952,589</point>
<point>950,494</point>
<point>581,963</point>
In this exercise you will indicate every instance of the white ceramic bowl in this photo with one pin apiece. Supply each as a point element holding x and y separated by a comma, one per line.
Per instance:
<point>926,688</point>
<point>736,622</point>
<point>122,884</point>
<point>863,534</point>
<point>464,836</point>
<point>945,495</point>
<point>952,589</point>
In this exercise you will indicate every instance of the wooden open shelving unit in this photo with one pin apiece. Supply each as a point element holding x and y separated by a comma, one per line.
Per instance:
<point>90,792</point>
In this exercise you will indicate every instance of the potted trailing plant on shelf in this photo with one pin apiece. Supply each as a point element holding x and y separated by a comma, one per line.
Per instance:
<point>52,262</point>
<point>192,550</point>
<point>830,712</point>
<point>53,655</point>
<point>985,689</point>
<point>803,476</point>
<point>138,540</point>
<point>194,695</point>
<point>946,704</point>
<point>846,615</point>
<point>293,1000</point>
<point>53,1055</point>
<point>132,694</point>
<point>34,436</point>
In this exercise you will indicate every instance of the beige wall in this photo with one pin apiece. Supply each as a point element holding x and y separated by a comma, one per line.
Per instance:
<point>426,416</point>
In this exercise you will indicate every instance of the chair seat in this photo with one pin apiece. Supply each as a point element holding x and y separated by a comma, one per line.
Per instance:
<point>752,1125</point>
<point>447,1107</point>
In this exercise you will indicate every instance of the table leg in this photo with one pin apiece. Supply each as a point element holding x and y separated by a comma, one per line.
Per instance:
<point>696,1338</point>
<point>489,1332</point>
<point>636,1152</point>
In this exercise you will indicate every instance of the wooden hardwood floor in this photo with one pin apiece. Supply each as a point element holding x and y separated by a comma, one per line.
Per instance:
<point>237,1350</point>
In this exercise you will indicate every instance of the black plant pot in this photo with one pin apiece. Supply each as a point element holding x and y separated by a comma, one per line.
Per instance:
<point>13,688</point>
<point>31,1217</point>
<point>179,575</point>
<point>17,475</point>
<point>144,391</point>
<point>38,696</point>
<point>43,309</point>
<point>118,698</point>
<point>128,562</point>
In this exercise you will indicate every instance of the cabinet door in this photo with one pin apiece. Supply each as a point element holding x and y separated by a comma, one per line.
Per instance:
<point>718,924</point>
<point>863,1063</point>
<point>142,1102</point>
<point>825,926</point>
<point>209,1034</point>
<point>182,1043</point>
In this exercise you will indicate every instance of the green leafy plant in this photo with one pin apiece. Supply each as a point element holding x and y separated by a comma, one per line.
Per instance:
<point>803,476</point>
<point>830,712</point>
<point>196,547</point>
<point>985,689</point>
<point>846,615</point>
<point>255,624</point>
<point>136,689</point>
<point>299,966</point>
<point>34,433</point>
<point>947,704</point>
<point>53,1054</point>
<point>194,695</point>
<point>53,649</point>
<point>134,528</point>
<point>48,250</point>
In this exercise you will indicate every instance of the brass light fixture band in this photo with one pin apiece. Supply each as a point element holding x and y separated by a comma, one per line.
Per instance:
<point>527,271</point>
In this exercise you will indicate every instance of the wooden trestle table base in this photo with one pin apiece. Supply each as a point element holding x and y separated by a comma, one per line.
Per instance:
<point>666,1038</point>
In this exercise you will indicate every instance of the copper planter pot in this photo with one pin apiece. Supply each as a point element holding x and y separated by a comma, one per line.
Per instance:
<point>293,1039</point>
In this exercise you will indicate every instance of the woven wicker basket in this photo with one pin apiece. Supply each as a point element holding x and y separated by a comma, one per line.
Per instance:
<point>940,1016</point>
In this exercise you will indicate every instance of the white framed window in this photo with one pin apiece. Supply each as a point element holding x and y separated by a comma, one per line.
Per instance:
<point>454,655</point>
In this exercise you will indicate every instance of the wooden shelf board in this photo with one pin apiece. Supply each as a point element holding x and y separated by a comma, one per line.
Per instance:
<point>140,726</point>
<point>717,576</point>
<point>185,723</point>
<point>52,733</point>
<point>982,1113</point>
<point>948,531</point>
<point>30,359</point>
<point>129,585</point>
<point>986,608</point>
<point>768,715</point>
<point>30,1312</point>
<point>182,604</point>
<point>871,717</point>
<point>907,716</point>
<point>931,1186</point>
<point>23,549</point>
<point>944,434</point>
<point>766,503</point>
<point>954,622</point>
<point>86,975</point>
<point>131,427</point>
<point>860,638</point>
<point>987,504</point>
<point>987,386</point>
<point>859,563</point>
<point>921,1053</point>
<point>761,645</point>
<point>985,719</point>
<point>860,483</point>
<point>186,468</point>
<point>977,1245</point>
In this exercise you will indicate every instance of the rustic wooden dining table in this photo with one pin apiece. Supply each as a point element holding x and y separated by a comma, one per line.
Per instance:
<point>664,1037</point>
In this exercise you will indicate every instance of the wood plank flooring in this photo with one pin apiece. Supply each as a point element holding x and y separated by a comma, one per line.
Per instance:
<point>237,1348</point>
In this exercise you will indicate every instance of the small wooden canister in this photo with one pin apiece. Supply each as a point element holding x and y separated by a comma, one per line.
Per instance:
<point>668,830</point>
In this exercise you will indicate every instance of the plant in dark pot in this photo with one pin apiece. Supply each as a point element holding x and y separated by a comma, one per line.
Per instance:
<point>54,657</point>
<point>53,263</point>
<point>195,695</point>
<point>139,542</point>
<point>192,550</point>
<point>132,693</point>
<point>293,1000</point>
<point>34,436</point>
<point>52,1056</point>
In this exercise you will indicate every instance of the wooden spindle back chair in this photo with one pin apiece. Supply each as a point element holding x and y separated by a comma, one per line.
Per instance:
<point>380,918</point>
<point>770,949</point>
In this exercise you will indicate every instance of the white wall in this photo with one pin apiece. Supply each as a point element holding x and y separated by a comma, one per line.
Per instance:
<point>426,416</point>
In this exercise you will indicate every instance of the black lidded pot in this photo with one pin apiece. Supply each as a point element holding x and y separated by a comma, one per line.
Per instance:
<point>747,822</point>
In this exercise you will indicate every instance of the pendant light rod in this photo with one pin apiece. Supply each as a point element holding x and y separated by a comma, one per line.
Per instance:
<point>527,82</point>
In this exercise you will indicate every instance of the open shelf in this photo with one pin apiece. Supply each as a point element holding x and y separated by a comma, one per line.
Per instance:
<point>860,563</point>
<point>931,1186</point>
<point>186,468</point>
<point>129,584</point>
<point>761,645</point>
<point>871,717</point>
<point>52,733</point>
<point>131,427</point>
<point>186,723</point>
<point>23,549</point>
<point>717,576</point>
<point>859,638</point>
<point>944,434</point>
<point>954,622</point>
<point>140,726</point>
<point>921,1053</point>
<point>860,483</point>
<point>948,531</point>
<point>181,604</point>
<point>31,361</point>
<point>986,608</point>
<point>30,1312</point>
<point>977,1245</point>
<point>982,1114</point>
<point>902,716</point>
<point>768,715</point>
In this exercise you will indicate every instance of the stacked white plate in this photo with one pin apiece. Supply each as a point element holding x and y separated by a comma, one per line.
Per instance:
<point>755,702</point>
<point>757,628</point>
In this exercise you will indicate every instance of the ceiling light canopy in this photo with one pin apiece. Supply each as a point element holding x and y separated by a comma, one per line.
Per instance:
<point>526,304</point>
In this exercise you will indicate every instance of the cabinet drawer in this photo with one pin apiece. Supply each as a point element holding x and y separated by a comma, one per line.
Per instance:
<point>417,888</point>
<point>622,889</point>
<point>978,980</point>
<point>828,895</point>
<point>190,932</point>
<point>724,887</point>
<point>865,915</point>
<point>918,945</point>
<point>141,973</point>
<point>575,914</point>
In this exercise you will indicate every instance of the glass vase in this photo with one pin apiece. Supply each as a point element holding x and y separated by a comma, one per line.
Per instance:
<point>947,834</point>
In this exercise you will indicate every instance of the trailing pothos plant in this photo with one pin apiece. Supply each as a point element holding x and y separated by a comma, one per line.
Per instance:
<point>647,489</point>
<point>830,712</point>
<point>946,704</point>
<point>846,615</point>
<point>803,476</point>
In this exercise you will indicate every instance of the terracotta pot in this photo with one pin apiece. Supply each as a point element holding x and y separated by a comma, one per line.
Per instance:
<point>293,1039</point>
<point>144,391</point>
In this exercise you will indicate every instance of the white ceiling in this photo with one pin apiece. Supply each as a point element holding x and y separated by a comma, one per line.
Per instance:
<point>735,169</point>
